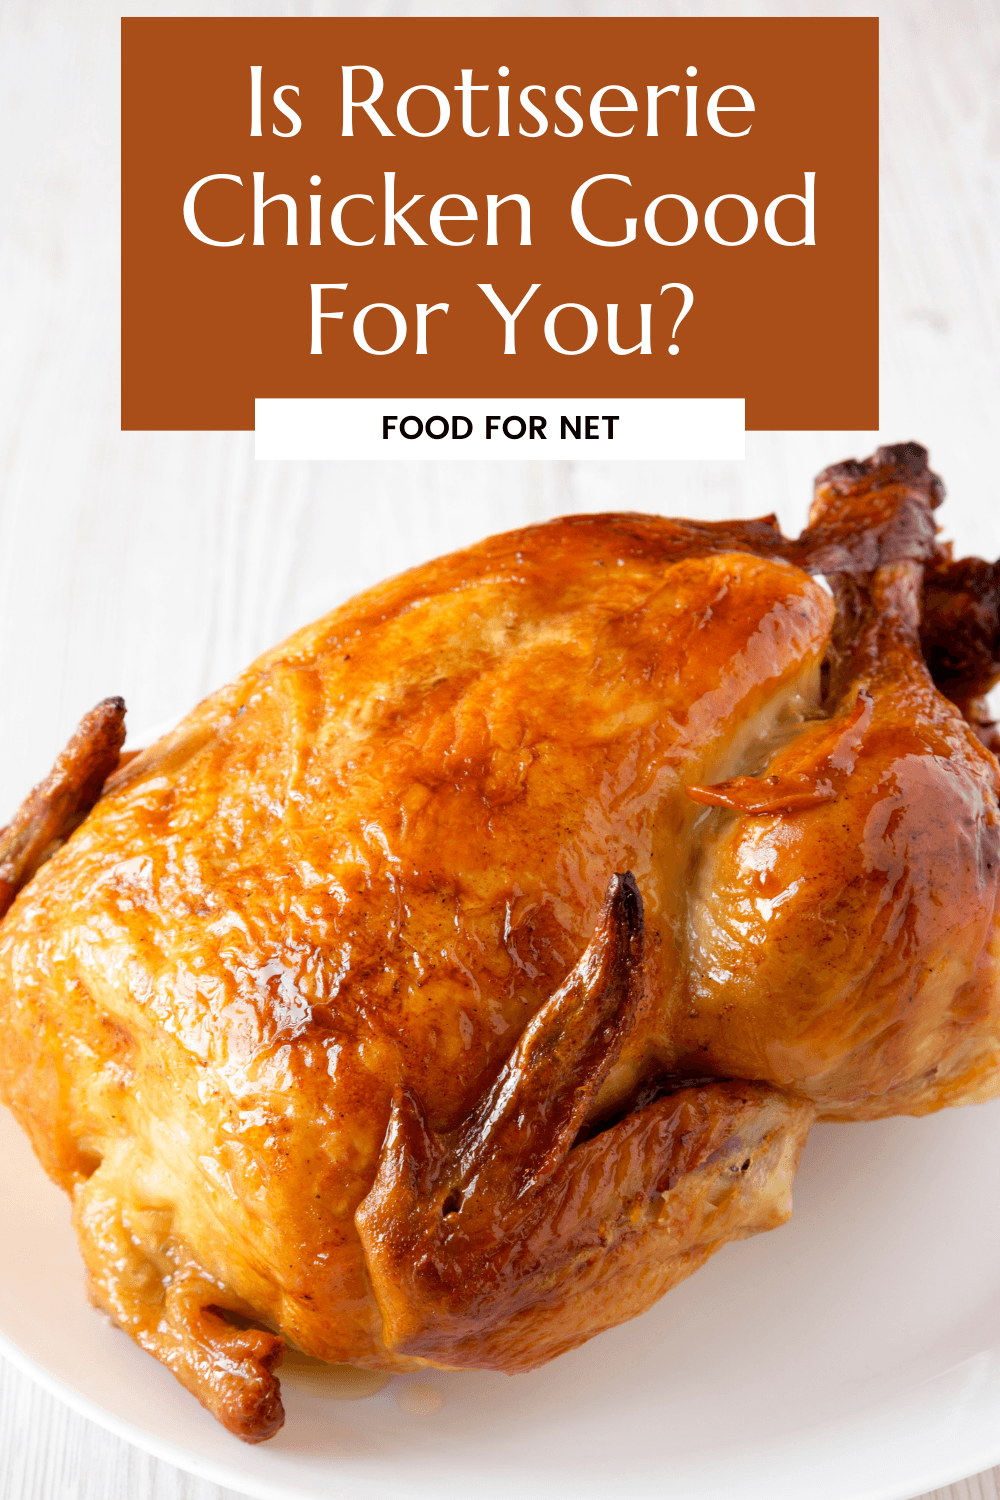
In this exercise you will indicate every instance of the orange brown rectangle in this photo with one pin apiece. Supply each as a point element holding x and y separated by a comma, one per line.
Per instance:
<point>359,208</point>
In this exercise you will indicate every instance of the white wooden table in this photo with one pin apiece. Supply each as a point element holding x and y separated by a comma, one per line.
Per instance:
<point>156,565</point>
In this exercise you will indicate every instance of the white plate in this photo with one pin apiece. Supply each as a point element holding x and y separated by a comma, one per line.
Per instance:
<point>853,1353</point>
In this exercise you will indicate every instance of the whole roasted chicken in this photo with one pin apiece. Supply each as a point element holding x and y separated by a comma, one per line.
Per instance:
<point>464,974</point>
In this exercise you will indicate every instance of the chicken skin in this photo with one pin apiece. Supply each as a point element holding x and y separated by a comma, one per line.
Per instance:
<point>463,975</point>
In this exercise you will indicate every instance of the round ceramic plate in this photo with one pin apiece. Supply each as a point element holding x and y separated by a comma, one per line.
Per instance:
<point>853,1353</point>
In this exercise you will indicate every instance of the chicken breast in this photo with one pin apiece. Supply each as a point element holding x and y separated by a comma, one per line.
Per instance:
<point>465,973</point>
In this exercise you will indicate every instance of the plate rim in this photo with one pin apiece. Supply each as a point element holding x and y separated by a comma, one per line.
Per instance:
<point>261,1488</point>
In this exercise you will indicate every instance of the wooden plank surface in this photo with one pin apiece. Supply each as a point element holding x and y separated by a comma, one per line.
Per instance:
<point>156,565</point>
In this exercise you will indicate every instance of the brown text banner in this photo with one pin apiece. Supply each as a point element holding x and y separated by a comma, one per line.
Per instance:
<point>499,208</point>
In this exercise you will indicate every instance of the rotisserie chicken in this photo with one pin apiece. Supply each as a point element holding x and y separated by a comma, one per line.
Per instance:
<point>464,974</point>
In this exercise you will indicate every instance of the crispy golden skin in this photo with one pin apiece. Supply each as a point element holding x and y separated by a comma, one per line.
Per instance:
<point>521,1232</point>
<point>47,817</point>
<point>466,972</point>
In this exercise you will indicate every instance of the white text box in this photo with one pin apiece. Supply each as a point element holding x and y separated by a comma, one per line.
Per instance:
<point>402,428</point>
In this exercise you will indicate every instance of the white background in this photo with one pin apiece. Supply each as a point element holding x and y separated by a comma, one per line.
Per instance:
<point>155,565</point>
